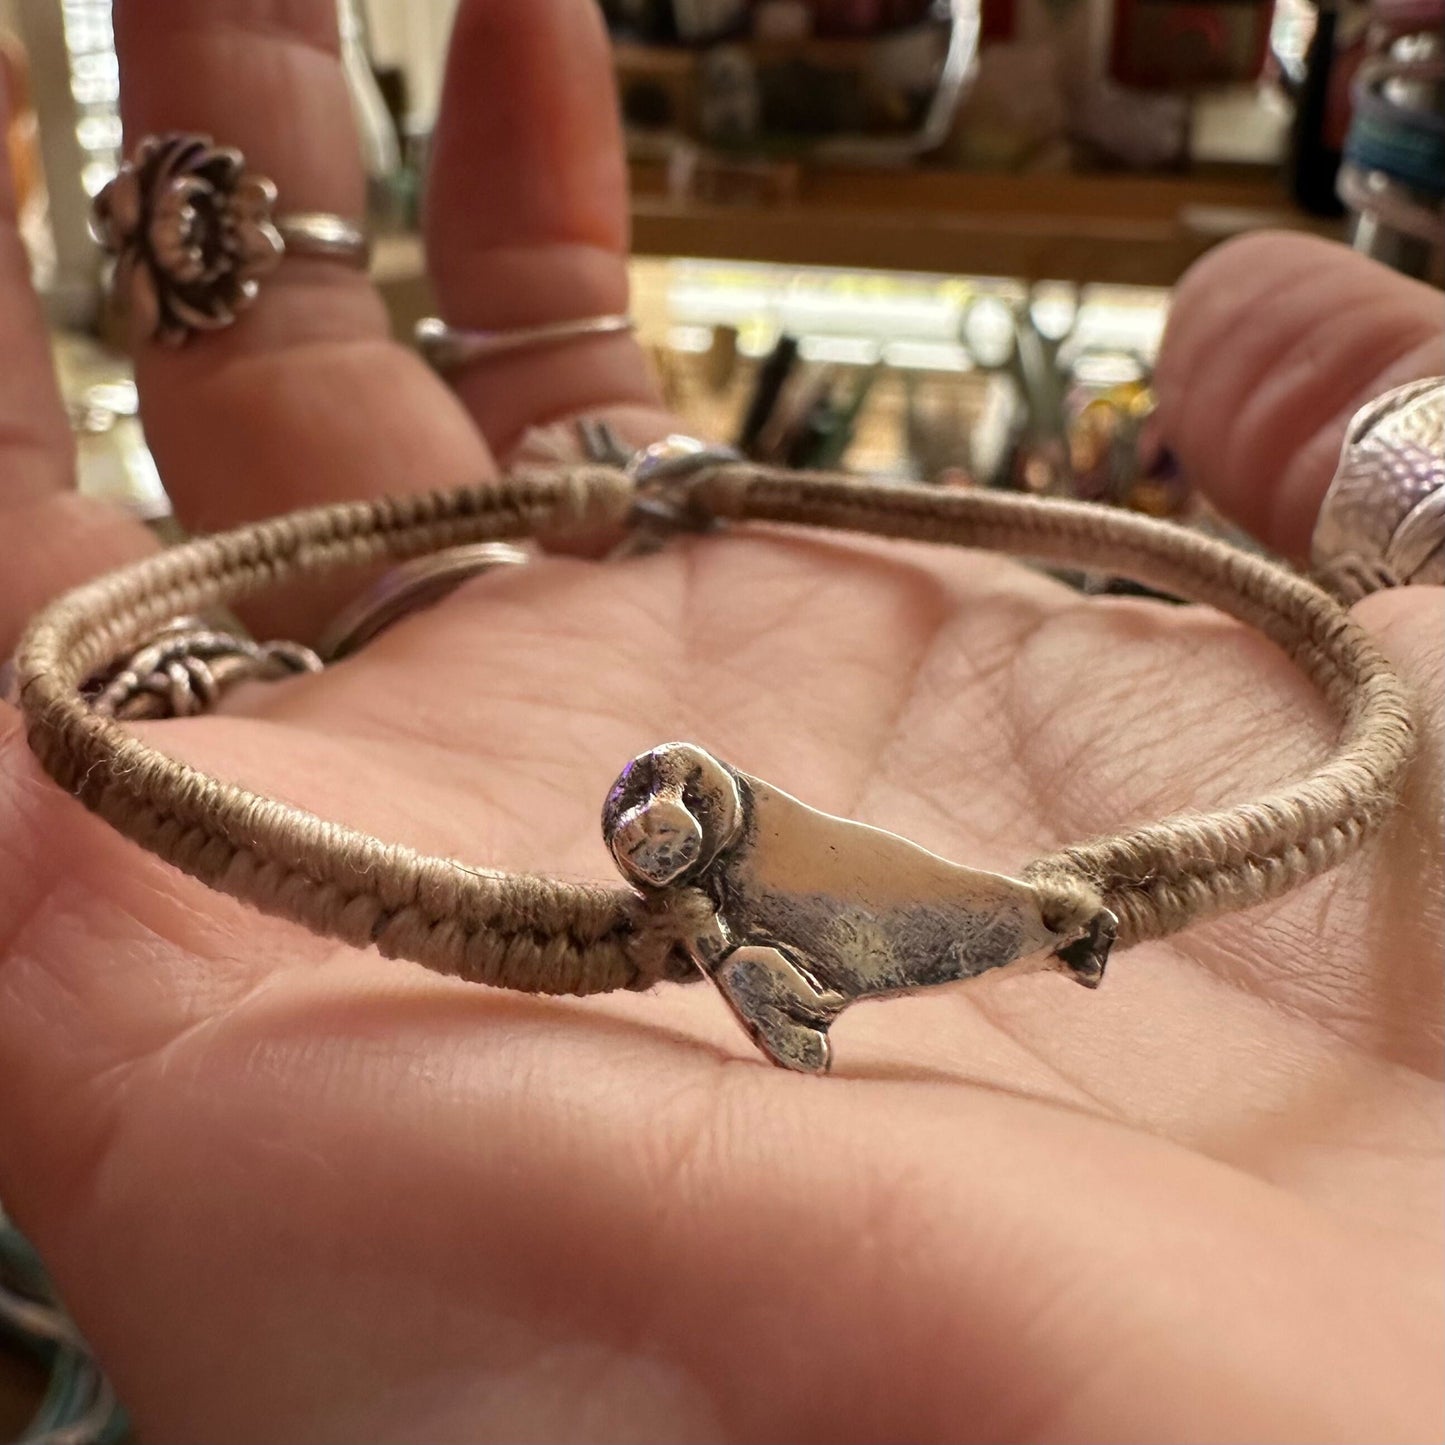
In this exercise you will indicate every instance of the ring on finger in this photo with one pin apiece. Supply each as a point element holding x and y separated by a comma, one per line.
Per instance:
<point>192,233</point>
<point>452,348</point>
<point>1382,522</point>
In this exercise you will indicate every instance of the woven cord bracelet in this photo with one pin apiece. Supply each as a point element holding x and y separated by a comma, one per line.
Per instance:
<point>793,914</point>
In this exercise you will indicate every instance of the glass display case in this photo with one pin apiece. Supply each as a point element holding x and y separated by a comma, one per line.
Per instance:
<point>866,279</point>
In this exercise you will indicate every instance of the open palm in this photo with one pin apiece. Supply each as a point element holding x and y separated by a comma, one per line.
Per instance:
<point>294,1192</point>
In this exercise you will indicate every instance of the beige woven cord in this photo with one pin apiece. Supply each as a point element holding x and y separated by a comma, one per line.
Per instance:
<point>544,936</point>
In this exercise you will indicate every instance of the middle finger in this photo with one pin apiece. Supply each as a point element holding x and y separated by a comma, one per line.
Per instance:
<point>527,220</point>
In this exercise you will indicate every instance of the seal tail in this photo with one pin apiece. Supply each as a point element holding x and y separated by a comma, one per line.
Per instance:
<point>1086,958</point>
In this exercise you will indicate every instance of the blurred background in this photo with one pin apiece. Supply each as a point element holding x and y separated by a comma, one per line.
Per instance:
<point>930,238</point>
<point>926,239</point>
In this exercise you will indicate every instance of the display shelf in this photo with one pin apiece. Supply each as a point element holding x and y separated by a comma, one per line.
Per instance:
<point>1124,230</point>
<point>1141,230</point>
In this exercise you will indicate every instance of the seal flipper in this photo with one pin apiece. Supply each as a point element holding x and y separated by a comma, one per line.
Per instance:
<point>784,1012</point>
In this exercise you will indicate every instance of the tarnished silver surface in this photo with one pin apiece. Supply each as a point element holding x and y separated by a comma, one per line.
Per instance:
<point>188,668</point>
<point>412,587</point>
<point>450,348</point>
<point>1382,522</point>
<point>660,473</point>
<point>193,232</point>
<point>675,458</point>
<point>810,913</point>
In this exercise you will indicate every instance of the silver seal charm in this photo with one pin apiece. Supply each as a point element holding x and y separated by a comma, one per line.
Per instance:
<point>807,914</point>
<point>1382,522</point>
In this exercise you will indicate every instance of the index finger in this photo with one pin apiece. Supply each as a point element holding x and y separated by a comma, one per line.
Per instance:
<point>305,399</point>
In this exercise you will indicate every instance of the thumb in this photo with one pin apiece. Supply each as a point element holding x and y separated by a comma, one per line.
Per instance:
<point>1274,342</point>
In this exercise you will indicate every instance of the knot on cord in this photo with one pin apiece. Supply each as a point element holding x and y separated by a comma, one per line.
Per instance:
<point>661,931</point>
<point>591,499</point>
<point>1068,901</point>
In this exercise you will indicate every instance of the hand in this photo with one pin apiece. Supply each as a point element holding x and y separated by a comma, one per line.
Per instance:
<point>294,1192</point>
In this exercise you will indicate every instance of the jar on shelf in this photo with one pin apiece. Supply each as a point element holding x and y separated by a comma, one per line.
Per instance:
<point>1393,175</point>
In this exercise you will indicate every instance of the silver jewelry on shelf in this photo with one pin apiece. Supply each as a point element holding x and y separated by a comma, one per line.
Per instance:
<point>451,348</point>
<point>1382,522</point>
<point>193,233</point>
<point>1371,194</point>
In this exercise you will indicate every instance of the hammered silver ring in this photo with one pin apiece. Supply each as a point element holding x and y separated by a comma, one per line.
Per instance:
<point>1382,522</point>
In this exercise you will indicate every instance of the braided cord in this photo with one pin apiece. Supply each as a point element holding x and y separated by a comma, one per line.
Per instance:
<point>1163,876</point>
<point>519,932</point>
<point>544,936</point>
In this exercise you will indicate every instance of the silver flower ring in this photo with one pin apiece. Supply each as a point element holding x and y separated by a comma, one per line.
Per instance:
<point>193,232</point>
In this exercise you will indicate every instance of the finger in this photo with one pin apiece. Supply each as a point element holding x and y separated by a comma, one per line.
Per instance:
<point>527,219</point>
<point>304,399</point>
<point>51,537</point>
<point>33,427</point>
<point>1274,343</point>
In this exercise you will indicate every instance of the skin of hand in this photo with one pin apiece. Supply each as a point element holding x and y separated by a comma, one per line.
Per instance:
<point>294,1192</point>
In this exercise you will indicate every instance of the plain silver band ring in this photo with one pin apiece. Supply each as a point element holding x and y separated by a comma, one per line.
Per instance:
<point>412,587</point>
<point>450,348</point>
<point>325,237</point>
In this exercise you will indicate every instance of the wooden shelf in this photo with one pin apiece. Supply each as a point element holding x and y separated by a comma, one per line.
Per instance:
<point>1125,229</point>
<point>1132,230</point>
